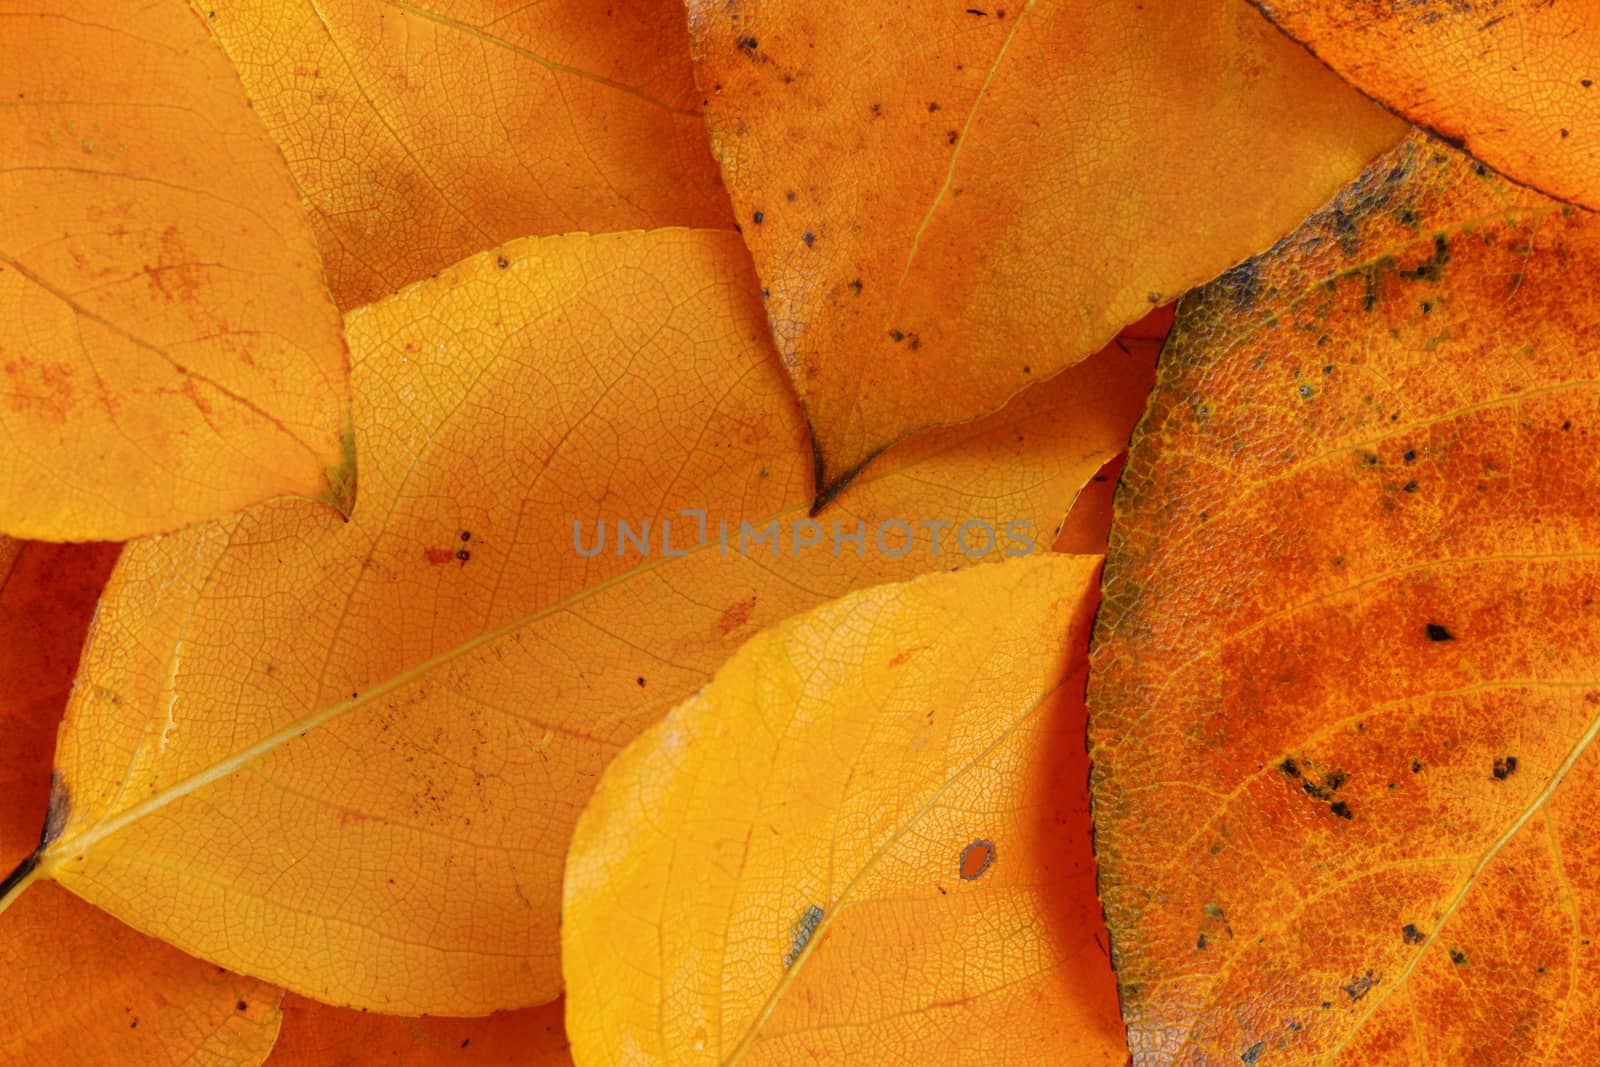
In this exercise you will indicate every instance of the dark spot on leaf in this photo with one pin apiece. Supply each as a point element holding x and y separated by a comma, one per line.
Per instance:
<point>1341,809</point>
<point>1410,456</point>
<point>809,238</point>
<point>976,858</point>
<point>1290,767</point>
<point>800,934</point>
<point>1253,1053</point>
<point>242,1006</point>
<point>640,680</point>
<point>1201,943</point>
<point>1409,487</point>
<point>749,44</point>
<point>759,217</point>
<point>1241,285</point>
<point>1360,987</point>
<point>1505,767</point>
<point>1412,935</point>
<point>1458,957</point>
<point>1416,766</point>
<point>463,555</point>
<point>503,262</point>
<point>1439,633</point>
<point>57,811</point>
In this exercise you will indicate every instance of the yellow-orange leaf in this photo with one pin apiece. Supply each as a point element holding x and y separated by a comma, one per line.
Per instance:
<point>347,756</point>
<point>1514,80</point>
<point>866,841</point>
<point>422,132</point>
<point>80,987</point>
<point>315,1035</point>
<point>948,202</point>
<point>169,350</point>
<point>1345,690</point>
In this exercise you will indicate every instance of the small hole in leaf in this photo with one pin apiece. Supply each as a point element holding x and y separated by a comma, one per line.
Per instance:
<point>976,858</point>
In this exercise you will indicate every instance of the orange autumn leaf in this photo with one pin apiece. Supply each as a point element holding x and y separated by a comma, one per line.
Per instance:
<point>1088,524</point>
<point>1514,81</point>
<point>948,202</point>
<point>80,987</point>
<point>1344,698</point>
<point>866,841</point>
<point>169,350</point>
<point>315,1035</point>
<point>347,756</point>
<point>424,132</point>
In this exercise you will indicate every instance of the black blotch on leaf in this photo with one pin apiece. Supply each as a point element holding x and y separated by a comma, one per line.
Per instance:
<point>1412,935</point>
<point>1458,957</point>
<point>1439,633</point>
<point>1360,987</point>
<point>1253,1053</point>
<point>1504,767</point>
<point>800,934</point>
<point>1341,809</point>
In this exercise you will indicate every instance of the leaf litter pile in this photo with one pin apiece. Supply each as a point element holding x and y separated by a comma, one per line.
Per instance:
<point>709,532</point>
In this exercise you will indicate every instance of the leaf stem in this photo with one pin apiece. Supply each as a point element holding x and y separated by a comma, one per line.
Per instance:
<point>18,880</point>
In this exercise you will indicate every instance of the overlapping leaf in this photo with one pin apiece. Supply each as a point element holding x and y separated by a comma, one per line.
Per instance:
<point>346,756</point>
<point>423,132</point>
<point>79,986</point>
<point>1513,80</point>
<point>866,841</point>
<point>947,202</point>
<point>1345,694</point>
<point>169,350</point>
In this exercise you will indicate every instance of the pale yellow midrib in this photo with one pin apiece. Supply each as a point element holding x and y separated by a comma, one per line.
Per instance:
<point>482,34</point>
<point>843,902</point>
<point>955,156</point>
<point>72,847</point>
